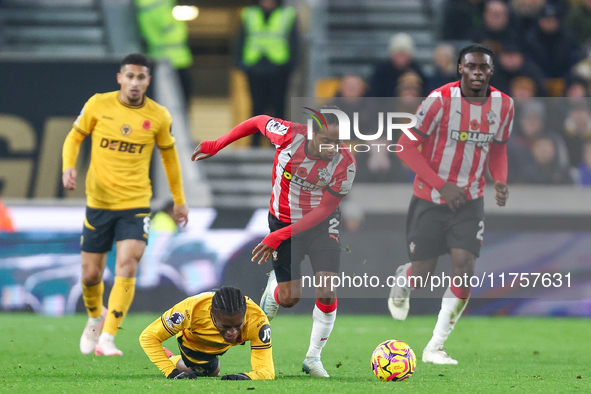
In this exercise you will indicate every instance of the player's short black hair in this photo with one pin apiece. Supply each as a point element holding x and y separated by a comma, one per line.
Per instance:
<point>137,59</point>
<point>330,118</point>
<point>228,301</point>
<point>479,48</point>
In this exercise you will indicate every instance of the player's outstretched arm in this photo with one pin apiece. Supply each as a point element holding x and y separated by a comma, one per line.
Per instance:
<point>207,149</point>
<point>198,155</point>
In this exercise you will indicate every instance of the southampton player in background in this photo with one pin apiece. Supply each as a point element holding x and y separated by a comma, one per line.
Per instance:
<point>124,126</point>
<point>460,126</point>
<point>310,177</point>
<point>206,326</point>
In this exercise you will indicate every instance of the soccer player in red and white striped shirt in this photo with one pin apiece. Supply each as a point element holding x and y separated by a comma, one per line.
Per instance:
<point>460,126</point>
<point>310,177</point>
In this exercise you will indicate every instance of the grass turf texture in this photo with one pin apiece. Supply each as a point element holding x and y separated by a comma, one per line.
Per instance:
<point>519,355</point>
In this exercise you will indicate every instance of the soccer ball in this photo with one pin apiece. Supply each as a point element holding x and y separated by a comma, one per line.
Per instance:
<point>393,361</point>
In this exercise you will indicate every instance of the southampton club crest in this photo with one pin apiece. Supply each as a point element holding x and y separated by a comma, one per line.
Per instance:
<point>490,118</point>
<point>323,175</point>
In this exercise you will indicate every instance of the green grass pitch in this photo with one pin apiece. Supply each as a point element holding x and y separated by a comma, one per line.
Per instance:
<point>496,354</point>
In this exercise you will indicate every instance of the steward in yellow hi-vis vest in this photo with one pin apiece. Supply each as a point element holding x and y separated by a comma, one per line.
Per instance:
<point>206,326</point>
<point>266,49</point>
<point>268,37</point>
<point>124,127</point>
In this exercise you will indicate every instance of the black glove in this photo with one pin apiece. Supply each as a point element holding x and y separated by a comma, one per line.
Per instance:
<point>236,376</point>
<point>176,374</point>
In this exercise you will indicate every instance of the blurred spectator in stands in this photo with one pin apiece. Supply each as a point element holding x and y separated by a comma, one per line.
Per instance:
<point>166,38</point>
<point>496,30</point>
<point>510,64</point>
<point>378,165</point>
<point>583,68</point>
<point>578,20</point>
<point>531,124</point>
<point>584,169</point>
<point>526,13</point>
<point>445,68</point>
<point>577,131</point>
<point>352,87</point>
<point>545,167</point>
<point>553,47</point>
<point>460,17</point>
<point>522,89</point>
<point>6,222</point>
<point>350,99</point>
<point>409,90</point>
<point>266,49</point>
<point>385,76</point>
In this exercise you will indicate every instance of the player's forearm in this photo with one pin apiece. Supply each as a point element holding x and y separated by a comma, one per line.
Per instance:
<point>311,219</point>
<point>172,168</point>
<point>151,341</point>
<point>262,365</point>
<point>71,149</point>
<point>411,155</point>
<point>244,129</point>
<point>498,162</point>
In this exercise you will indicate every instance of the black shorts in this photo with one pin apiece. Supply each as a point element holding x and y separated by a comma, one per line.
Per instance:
<point>102,227</point>
<point>320,243</point>
<point>204,362</point>
<point>433,229</point>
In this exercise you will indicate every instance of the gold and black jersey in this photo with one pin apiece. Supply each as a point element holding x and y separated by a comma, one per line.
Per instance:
<point>191,320</point>
<point>123,138</point>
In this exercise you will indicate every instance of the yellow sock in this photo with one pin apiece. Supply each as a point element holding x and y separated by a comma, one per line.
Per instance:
<point>119,302</point>
<point>93,298</point>
<point>175,359</point>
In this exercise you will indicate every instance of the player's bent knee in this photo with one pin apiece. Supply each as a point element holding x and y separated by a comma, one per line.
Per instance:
<point>289,302</point>
<point>92,277</point>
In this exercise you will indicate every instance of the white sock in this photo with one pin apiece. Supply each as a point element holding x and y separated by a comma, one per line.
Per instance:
<point>106,337</point>
<point>321,329</point>
<point>451,310</point>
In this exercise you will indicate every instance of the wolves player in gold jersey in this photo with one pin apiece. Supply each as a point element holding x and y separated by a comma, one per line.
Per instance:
<point>206,326</point>
<point>124,126</point>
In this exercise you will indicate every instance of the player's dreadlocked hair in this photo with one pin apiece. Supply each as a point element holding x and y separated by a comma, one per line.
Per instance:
<point>330,118</point>
<point>228,301</point>
<point>480,48</point>
<point>137,59</point>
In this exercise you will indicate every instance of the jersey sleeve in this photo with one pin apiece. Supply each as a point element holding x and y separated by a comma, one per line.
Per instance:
<point>164,138</point>
<point>261,352</point>
<point>81,128</point>
<point>278,131</point>
<point>86,121</point>
<point>343,180</point>
<point>170,323</point>
<point>502,134</point>
<point>429,114</point>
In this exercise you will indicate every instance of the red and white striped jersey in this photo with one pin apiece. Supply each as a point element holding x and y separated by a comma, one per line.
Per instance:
<point>299,180</point>
<point>458,135</point>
